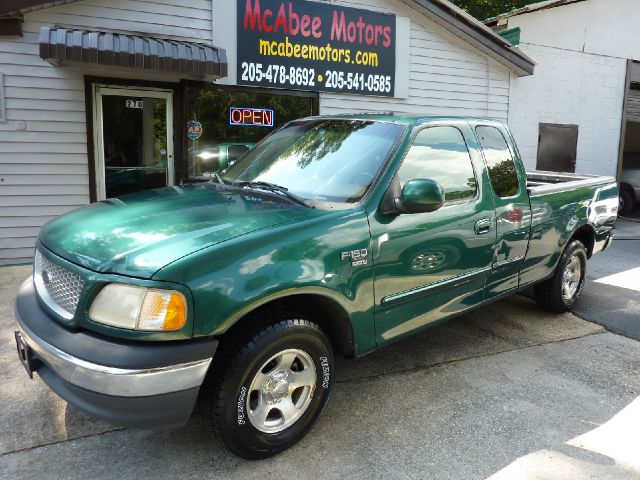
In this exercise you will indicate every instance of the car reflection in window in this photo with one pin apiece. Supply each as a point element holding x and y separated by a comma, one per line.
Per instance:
<point>207,159</point>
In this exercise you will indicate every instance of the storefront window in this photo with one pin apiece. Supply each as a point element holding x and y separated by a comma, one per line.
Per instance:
<point>222,125</point>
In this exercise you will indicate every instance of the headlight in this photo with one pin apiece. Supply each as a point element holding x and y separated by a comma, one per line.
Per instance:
<point>139,308</point>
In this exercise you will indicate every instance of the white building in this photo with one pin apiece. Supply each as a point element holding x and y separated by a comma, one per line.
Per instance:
<point>583,100</point>
<point>101,98</point>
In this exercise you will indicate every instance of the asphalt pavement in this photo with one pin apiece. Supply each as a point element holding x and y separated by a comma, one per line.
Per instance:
<point>506,392</point>
<point>612,293</point>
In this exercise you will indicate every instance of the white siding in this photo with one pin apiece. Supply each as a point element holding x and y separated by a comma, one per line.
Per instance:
<point>446,75</point>
<point>184,19</point>
<point>43,144</point>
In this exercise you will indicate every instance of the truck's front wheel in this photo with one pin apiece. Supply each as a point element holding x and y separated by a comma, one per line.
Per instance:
<point>561,292</point>
<point>272,388</point>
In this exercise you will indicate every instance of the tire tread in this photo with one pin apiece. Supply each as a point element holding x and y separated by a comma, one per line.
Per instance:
<point>547,293</point>
<point>216,388</point>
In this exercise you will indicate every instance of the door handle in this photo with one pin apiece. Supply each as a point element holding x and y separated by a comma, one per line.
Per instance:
<point>483,226</point>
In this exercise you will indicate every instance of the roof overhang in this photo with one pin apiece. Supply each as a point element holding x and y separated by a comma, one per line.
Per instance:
<point>467,28</point>
<point>61,46</point>
<point>535,7</point>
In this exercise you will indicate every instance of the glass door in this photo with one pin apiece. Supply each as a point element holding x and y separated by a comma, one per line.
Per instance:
<point>133,135</point>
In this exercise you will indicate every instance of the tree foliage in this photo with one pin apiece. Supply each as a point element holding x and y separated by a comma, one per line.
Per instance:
<point>483,9</point>
<point>323,140</point>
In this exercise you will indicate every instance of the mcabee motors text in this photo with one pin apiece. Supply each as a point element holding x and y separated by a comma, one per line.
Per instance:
<point>289,22</point>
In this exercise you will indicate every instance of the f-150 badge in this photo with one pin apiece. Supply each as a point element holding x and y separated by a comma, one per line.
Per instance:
<point>357,257</point>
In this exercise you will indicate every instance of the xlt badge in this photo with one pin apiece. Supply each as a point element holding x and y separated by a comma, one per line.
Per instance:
<point>357,257</point>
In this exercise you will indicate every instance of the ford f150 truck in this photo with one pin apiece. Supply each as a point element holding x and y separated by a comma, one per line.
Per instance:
<point>332,236</point>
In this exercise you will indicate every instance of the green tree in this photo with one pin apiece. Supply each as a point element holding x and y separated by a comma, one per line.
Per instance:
<point>324,139</point>
<point>483,9</point>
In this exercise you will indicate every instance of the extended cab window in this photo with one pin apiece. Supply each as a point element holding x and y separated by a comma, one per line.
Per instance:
<point>502,169</point>
<point>440,154</point>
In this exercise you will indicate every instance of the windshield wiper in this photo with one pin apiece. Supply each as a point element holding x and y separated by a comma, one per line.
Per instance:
<point>218,178</point>
<point>272,187</point>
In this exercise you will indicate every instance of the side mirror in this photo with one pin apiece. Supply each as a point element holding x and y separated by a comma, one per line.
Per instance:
<point>421,195</point>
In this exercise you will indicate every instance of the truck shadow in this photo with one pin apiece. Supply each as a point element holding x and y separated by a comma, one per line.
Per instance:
<point>510,324</point>
<point>362,397</point>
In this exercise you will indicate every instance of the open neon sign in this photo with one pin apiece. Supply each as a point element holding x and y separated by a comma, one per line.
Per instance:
<point>253,117</point>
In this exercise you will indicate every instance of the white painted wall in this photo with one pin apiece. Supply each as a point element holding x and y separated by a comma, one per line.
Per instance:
<point>43,144</point>
<point>581,50</point>
<point>602,27</point>
<point>576,89</point>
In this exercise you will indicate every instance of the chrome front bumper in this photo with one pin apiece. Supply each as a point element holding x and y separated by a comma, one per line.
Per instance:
<point>139,384</point>
<point>119,382</point>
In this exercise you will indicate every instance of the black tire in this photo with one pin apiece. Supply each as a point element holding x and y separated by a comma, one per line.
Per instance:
<point>549,294</point>
<point>228,395</point>
<point>626,203</point>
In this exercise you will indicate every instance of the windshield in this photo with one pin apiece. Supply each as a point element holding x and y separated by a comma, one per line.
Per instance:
<point>324,160</point>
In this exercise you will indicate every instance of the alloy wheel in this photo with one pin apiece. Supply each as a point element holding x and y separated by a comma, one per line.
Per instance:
<point>281,391</point>
<point>571,278</point>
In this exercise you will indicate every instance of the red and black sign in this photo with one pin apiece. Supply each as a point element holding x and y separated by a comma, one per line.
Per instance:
<point>254,117</point>
<point>316,46</point>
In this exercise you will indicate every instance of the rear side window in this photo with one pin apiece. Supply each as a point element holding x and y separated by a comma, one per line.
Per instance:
<point>440,154</point>
<point>502,169</point>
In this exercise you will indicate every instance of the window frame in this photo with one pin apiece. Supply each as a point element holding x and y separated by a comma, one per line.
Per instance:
<point>90,82</point>
<point>557,128</point>
<point>415,134</point>
<point>486,163</point>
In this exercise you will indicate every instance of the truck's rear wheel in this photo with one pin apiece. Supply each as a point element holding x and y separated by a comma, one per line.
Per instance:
<point>561,292</point>
<point>272,389</point>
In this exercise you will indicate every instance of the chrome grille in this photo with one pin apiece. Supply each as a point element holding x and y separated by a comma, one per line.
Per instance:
<point>58,287</point>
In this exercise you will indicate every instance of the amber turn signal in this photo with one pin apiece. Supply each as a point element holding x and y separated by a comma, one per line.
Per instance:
<point>139,308</point>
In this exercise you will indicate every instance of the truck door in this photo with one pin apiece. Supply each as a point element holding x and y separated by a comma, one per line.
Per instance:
<point>429,266</point>
<point>513,211</point>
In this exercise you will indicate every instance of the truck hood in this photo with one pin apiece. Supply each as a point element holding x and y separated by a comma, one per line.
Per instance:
<point>138,234</point>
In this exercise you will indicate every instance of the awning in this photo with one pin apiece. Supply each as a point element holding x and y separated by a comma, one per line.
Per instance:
<point>58,45</point>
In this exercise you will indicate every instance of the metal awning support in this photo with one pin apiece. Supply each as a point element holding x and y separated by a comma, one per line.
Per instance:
<point>59,45</point>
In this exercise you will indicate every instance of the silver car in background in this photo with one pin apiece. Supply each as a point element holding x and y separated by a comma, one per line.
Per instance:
<point>630,185</point>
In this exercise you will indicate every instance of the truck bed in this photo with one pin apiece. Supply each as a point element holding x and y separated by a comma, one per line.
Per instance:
<point>559,202</point>
<point>542,183</point>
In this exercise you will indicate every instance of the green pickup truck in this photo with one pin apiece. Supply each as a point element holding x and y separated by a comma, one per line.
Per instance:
<point>333,236</point>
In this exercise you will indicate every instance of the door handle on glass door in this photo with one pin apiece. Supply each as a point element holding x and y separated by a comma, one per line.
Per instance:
<point>483,226</point>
